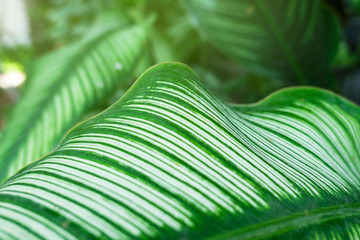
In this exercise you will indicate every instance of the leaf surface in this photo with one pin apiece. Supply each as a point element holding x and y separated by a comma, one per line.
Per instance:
<point>64,85</point>
<point>170,161</point>
<point>288,39</point>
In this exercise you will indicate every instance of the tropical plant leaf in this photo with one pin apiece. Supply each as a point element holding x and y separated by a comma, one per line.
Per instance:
<point>170,161</point>
<point>290,39</point>
<point>64,85</point>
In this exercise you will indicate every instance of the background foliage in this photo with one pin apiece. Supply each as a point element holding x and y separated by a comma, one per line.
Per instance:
<point>175,37</point>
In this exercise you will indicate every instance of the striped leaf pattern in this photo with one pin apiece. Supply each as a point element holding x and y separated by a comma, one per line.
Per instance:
<point>63,86</point>
<point>170,161</point>
<point>275,38</point>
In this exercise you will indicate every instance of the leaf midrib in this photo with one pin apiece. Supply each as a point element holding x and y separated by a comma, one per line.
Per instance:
<point>288,223</point>
<point>282,42</point>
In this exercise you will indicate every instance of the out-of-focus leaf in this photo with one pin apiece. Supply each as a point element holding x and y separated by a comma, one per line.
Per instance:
<point>355,4</point>
<point>351,84</point>
<point>344,58</point>
<point>288,39</point>
<point>251,88</point>
<point>171,161</point>
<point>64,85</point>
<point>161,48</point>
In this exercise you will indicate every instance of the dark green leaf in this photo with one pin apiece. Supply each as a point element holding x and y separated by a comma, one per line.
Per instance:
<point>290,39</point>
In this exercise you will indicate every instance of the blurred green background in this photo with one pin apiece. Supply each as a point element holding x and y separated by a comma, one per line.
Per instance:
<point>33,28</point>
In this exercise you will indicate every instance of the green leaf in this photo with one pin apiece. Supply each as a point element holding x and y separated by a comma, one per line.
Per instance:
<point>170,161</point>
<point>289,39</point>
<point>355,4</point>
<point>62,86</point>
